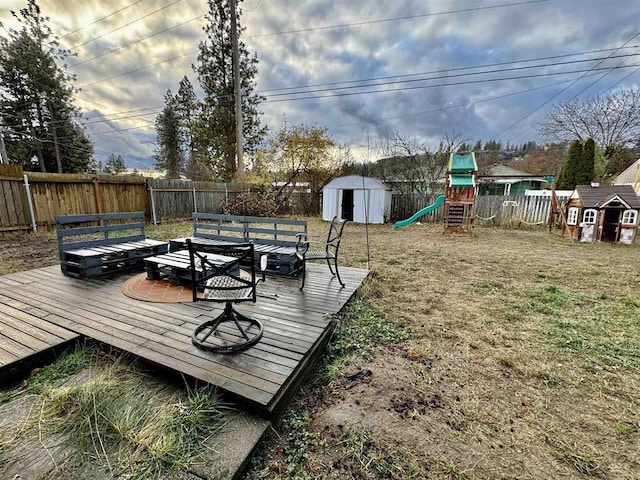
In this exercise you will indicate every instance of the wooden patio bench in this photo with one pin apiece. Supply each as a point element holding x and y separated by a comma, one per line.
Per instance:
<point>274,237</point>
<point>91,245</point>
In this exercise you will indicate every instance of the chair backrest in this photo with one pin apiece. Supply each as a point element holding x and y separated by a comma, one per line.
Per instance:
<point>224,272</point>
<point>335,235</point>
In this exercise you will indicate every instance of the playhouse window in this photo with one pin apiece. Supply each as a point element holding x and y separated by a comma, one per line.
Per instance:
<point>589,217</point>
<point>572,216</point>
<point>629,217</point>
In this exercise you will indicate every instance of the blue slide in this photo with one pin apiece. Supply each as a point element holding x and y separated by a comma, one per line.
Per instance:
<point>403,223</point>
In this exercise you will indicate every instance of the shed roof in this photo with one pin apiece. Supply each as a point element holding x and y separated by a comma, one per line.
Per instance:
<point>356,182</point>
<point>595,196</point>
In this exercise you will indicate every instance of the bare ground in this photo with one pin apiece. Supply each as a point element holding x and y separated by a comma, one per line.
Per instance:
<point>524,360</point>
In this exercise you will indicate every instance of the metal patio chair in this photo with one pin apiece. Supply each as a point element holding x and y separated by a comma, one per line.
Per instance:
<point>225,273</point>
<point>308,249</point>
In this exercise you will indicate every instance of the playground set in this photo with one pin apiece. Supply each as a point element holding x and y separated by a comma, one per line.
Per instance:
<point>459,197</point>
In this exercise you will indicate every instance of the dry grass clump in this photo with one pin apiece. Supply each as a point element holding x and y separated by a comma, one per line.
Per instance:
<point>116,419</point>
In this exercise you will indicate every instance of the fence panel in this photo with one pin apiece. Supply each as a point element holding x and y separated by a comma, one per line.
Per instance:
<point>174,199</point>
<point>14,210</point>
<point>497,209</point>
<point>65,194</point>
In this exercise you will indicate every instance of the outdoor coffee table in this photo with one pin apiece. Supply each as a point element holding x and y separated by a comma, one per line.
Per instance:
<point>175,266</point>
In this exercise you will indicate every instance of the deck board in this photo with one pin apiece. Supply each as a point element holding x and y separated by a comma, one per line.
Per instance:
<point>23,332</point>
<point>296,326</point>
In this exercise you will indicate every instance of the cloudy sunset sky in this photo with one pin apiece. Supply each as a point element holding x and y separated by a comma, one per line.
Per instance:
<point>484,69</point>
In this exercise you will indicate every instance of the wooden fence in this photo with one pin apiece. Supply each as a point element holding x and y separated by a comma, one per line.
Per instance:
<point>48,195</point>
<point>174,199</point>
<point>14,209</point>
<point>488,209</point>
<point>36,198</point>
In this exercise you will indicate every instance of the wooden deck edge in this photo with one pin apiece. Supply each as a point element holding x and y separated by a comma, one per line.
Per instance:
<point>19,370</point>
<point>291,387</point>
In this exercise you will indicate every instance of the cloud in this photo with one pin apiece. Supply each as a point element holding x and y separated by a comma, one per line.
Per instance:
<point>367,40</point>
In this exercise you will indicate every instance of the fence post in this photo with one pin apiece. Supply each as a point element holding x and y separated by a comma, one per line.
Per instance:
<point>195,205</point>
<point>153,206</point>
<point>30,203</point>
<point>96,195</point>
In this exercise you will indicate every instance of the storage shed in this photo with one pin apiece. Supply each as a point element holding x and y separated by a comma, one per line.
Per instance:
<point>358,199</point>
<point>607,213</point>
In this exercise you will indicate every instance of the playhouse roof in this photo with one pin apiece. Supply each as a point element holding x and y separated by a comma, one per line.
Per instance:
<point>598,195</point>
<point>356,182</point>
<point>462,163</point>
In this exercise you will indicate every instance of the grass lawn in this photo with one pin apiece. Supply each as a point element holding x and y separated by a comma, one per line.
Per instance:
<point>507,354</point>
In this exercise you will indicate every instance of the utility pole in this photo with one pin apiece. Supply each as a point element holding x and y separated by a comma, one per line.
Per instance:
<point>237,91</point>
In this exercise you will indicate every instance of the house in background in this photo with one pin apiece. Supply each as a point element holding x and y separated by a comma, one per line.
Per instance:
<point>357,199</point>
<point>631,176</point>
<point>607,213</point>
<point>500,179</point>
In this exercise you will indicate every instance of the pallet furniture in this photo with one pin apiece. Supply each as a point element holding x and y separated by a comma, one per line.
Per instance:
<point>175,266</point>
<point>274,237</point>
<point>309,249</point>
<point>91,245</point>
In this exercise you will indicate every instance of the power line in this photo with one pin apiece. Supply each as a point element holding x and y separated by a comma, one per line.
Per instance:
<point>368,22</point>
<point>497,64</point>
<point>570,62</point>
<point>384,20</point>
<point>423,73</point>
<point>430,111</point>
<point>123,26</point>
<point>99,20</point>
<point>469,104</point>
<point>469,82</point>
<point>565,89</point>
<point>135,41</point>
<point>137,69</point>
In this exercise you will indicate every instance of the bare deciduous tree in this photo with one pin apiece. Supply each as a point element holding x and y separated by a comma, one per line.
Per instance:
<point>412,165</point>
<point>613,120</point>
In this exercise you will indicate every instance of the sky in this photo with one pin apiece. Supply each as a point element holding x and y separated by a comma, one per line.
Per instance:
<point>365,69</point>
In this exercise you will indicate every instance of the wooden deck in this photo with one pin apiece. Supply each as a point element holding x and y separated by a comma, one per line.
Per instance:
<point>24,334</point>
<point>265,376</point>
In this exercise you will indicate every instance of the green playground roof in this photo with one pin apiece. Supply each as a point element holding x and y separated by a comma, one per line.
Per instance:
<point>462,180</point>
<point>462,163</point>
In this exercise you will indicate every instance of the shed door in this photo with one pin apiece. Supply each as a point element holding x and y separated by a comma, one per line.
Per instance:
<point>346,209</point>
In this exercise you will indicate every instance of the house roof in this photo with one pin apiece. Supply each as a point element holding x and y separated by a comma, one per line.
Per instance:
<point>630,176</point>
<point>508,174</point>
<point>596,196</point>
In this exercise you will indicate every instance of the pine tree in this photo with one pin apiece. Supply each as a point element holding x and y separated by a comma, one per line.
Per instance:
<point>114,164</point>
<point>567,177</point>
<point>217,126</point>
<point>586,167</point>
<point>169,155</point>
<point>36,104</point>
<point>188,108</point>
